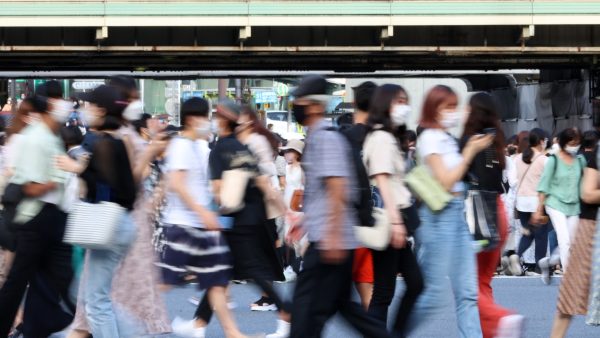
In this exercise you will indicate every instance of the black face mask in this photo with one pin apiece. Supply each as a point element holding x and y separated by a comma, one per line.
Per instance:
<point>299,113</point>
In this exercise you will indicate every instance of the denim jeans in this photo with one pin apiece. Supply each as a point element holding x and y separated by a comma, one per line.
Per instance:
<point>445,249</point>
<point>101,269</point>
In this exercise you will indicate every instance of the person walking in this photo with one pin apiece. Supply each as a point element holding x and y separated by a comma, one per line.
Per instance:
<point>324,285</point>
<point>530,166</point>
<point>574,292</point>
<point>385,165</point>
<point>443,240</point>
<point>40,256</point>
<point>485,174</point>
<point>559,191</point>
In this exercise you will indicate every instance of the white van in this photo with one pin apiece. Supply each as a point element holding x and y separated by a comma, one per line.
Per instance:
<point>284,124</point>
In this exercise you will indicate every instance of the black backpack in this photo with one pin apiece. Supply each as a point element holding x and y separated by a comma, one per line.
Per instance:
<point>364,203</point>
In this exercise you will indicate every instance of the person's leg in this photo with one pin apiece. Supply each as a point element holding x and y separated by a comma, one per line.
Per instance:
<point>306,284</point>
<point>540,233</point>
<point>30,250</point>
<point>526,238</point>
<point>464,284</point>
<point>218,300</point>
<point>433,254</point>
<point>489,312</point>
<point>101,268</point>
<point>385,270</point>
<point>365,293</point>
<point>203,312</point>
<point>6,260</point>
<point>560,325</point>
<point>413,279</point>
<point>559,220</point>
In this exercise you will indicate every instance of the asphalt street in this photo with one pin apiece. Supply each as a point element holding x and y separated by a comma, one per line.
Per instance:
<point>525,295</point>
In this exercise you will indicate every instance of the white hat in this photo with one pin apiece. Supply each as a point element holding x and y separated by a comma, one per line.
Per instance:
<point>295,145</point>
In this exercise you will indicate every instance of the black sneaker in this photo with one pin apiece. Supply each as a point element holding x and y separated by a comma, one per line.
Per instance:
<point>263,304</point>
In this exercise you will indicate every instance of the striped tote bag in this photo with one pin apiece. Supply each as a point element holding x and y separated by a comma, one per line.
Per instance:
<point>93,225</point>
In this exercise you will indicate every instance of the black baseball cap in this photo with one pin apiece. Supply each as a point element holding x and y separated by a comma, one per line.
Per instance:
<point>107,97</point>
<point>311,85</point>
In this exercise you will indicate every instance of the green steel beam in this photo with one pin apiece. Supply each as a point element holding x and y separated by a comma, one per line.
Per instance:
<point>295,8</point>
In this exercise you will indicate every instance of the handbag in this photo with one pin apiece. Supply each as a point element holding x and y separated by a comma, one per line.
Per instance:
<point>430,191</point>
<point>13,195</point>
<point>378,236</point>
<point>93,225</point>
<point>297,201</point>
<point>481,212</point>
<point>410,215</point>
<point>233,190</point>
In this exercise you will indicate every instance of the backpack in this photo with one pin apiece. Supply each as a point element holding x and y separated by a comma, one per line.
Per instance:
<point>363,204</point>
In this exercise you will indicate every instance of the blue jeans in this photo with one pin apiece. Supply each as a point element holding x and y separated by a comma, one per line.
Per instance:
<point>445,249</point>
<point>101,269</point>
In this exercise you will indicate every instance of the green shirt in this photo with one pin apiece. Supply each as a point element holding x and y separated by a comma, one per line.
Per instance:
<point>35,163</point>
<point>561,183</point>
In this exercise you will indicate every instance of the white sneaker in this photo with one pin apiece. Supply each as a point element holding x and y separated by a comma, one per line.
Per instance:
<point>515,265</point>
<point>186,329</point>
<point>510,327</point>
<point>283,330</point>
<point>544,265</point>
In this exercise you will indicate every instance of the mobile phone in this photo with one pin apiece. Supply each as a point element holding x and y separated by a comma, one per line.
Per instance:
<point>488,131</point>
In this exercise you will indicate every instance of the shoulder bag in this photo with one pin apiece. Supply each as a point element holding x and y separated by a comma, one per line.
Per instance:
<point>93,225</point>
<point>427,188</point>
<point>481,212</point>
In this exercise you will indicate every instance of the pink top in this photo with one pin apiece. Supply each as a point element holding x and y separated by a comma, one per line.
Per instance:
<point>527,185</point>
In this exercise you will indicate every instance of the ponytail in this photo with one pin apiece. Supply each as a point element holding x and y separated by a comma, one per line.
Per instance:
<point>536,136</point>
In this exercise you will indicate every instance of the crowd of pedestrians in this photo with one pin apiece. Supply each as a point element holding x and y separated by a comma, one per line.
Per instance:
<point>104,213</point>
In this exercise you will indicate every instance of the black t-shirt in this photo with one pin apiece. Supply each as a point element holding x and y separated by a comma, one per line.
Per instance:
<point>108,175</point>
<point>485,172</point>
<point>356,135</point>
<point>228,154</point>
<point>589,211</point>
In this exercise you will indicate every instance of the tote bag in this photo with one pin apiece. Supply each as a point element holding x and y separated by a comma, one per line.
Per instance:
<point>233,190</point>
<point>481,213</point>
<point>93,225</point>
<point>378,236</point>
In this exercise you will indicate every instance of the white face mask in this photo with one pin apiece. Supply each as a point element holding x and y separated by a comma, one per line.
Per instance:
<point>555,148</point>
<point>204,129</point>
<point>61,110</point>
<point>572,150</point>
<point>451,119</point>
<point>545,144</point>
<point>214,126</point>
<point>134,111</point>
<point>400,114</point>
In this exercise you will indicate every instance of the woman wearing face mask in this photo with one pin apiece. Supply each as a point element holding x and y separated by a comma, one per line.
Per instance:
<point>558,191</point>
<point>485,174</point>
<point>384,161</point>
<point>529,167</point>
<point>108,177</point>
<point>443,239</point>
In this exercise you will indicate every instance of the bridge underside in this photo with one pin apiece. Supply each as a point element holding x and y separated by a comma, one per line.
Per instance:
<point>344,49</point>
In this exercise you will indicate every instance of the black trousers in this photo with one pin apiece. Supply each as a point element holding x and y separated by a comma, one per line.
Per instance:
<point>386,266</point>
<point>41,258</point>
<point>321,291</point>
<point>537,233</point>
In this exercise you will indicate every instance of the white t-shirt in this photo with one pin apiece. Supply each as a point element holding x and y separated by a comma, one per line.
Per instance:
<point>437,141</point>
<point>191,157</point>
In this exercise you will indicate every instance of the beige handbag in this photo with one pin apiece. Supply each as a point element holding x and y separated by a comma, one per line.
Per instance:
<point>233,189</point>
<point>377,237</point>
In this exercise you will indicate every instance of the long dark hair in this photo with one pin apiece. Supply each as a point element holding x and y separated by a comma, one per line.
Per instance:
<point>379,112</point>
<point>536,136</point>
<point>259,128</point>
<point>484,115</point>
<point>568,135</point>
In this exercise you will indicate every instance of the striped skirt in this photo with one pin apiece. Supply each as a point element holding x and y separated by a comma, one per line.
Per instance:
<point>575,286</point>
<point>593,317</point>
<point>203,253</point>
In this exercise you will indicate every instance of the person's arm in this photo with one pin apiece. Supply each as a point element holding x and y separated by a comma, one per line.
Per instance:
<point>141,169</point>
<point>543,187</point>
<point>177,183</point>
<point>33,189</point>
<point>336,191</point>
<point>398,228</point>
<point>448,178</point>
<point>589,186</point>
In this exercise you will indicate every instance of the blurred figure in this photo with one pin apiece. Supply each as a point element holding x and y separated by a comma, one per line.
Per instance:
<point>529,167</point>
<point>443,239</point>
<point>384,162</point>
<point>362,267</point>
<point>485,174</point>
<point>575,291</point>
<point>193,241</point>
<point>250,241</point>
<point>40,253</point>
<point>411,152</point>
<point>591,195</point>
<point>324,285</point>
<point>108,177</point>
<point>559,191</point>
